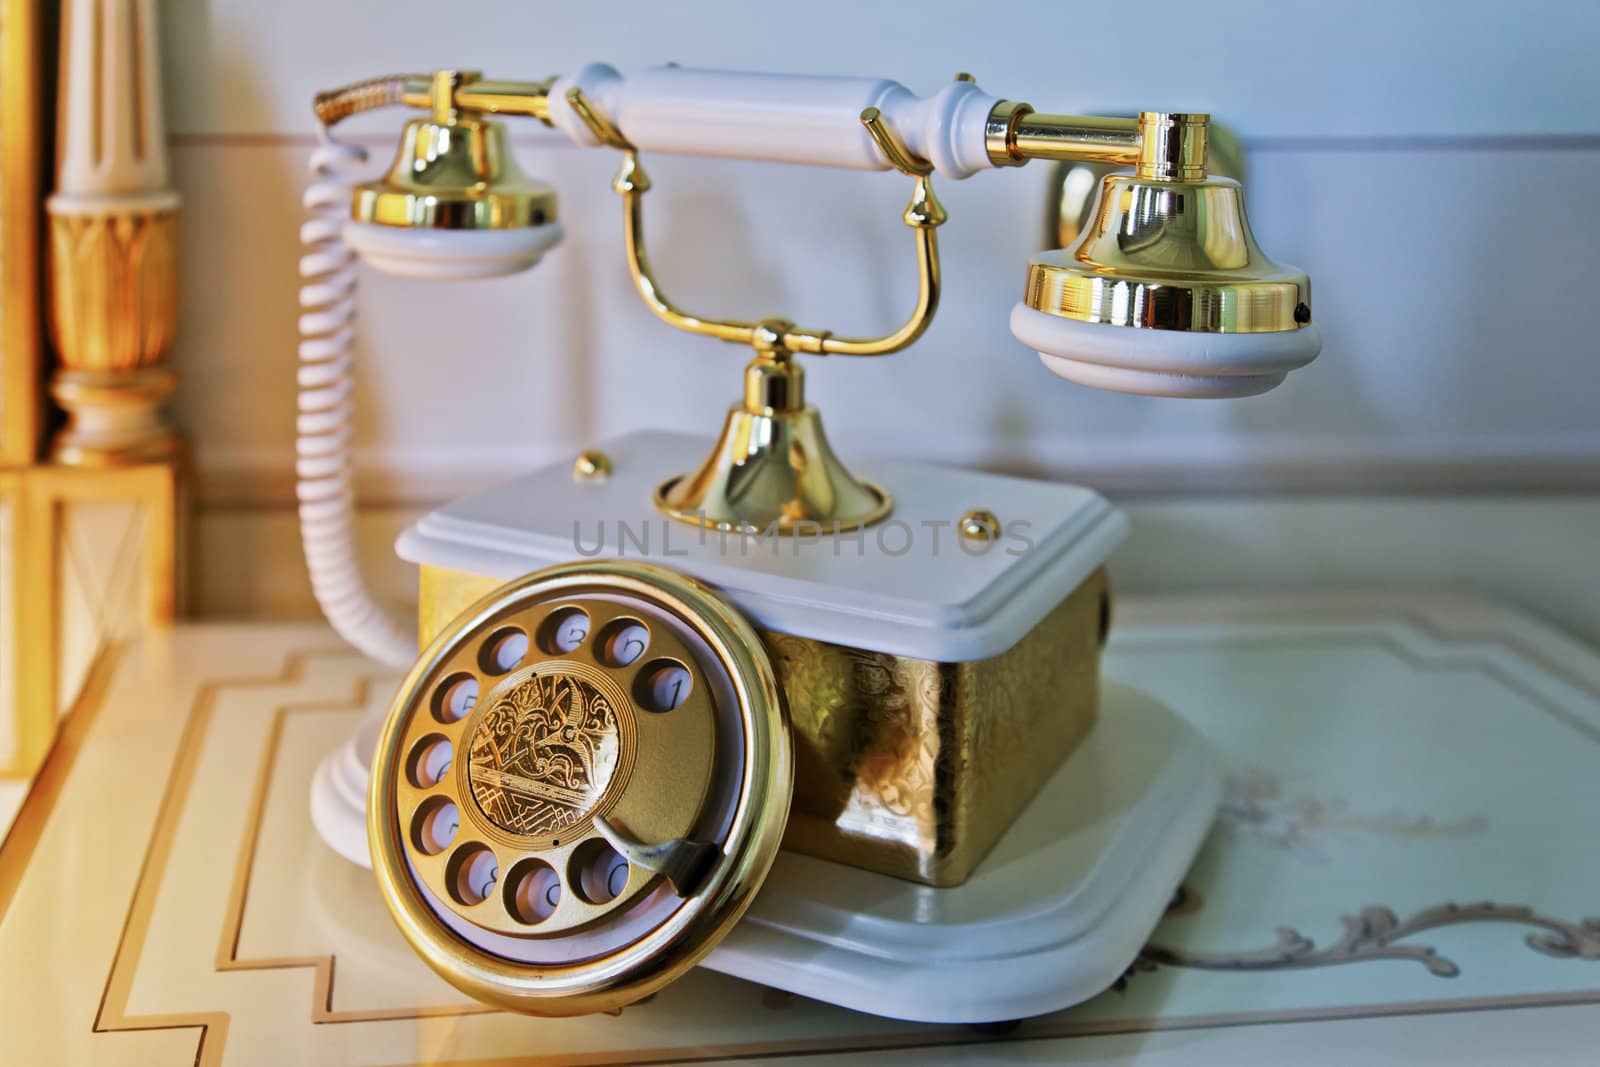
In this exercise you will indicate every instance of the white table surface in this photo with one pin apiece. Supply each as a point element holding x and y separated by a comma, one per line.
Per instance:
<point>1390,755</point>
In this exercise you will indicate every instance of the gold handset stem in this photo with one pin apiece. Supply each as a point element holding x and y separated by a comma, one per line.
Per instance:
<point>468,91</point>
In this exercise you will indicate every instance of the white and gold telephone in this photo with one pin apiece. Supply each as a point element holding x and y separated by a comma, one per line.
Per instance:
<point>837,730</point>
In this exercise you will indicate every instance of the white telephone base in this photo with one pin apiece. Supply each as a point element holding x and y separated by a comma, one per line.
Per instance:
<point>1054,914</point>
<point>1062,904</point>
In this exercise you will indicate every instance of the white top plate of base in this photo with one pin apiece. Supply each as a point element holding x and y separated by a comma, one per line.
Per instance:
<point>907,586</point>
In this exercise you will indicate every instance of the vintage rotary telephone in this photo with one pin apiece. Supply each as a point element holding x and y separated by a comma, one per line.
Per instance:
<point>585,778</point>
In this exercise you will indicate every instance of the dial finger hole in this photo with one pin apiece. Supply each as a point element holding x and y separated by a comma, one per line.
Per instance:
<point>434,825</point>
<point>504,650</point>
<point>533,891</point>
<point>456,696</point>
<point>471,874</point>
<point>564,631</point>
<point>662,685</point>
<point>598,873</point>
<point>622,642</point>
<point>430,761</point>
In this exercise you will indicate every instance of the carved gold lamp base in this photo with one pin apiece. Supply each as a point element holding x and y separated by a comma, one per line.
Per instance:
<point>113,417</point>
<point>772,468</point>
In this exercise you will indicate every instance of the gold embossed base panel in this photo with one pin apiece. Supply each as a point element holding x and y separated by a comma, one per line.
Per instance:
<point>915,768</point>
<point>906,766</point>
<point>164,901</point>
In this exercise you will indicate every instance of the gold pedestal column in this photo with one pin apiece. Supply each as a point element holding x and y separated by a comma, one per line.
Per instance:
<point>113,310</point>
<point>89,541</point>
<point>113,245</point>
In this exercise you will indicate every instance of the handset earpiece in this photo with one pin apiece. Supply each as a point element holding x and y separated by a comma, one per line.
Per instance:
<point>1166,293</point>
<point>454,204</point>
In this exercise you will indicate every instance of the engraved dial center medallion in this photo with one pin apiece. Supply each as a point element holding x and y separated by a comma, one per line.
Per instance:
<point>544,754</point>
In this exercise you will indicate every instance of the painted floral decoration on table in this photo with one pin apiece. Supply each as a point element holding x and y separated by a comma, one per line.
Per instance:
<point>1256,805</point>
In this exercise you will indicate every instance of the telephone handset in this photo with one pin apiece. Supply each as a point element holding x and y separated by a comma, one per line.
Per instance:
<point>584,780</point>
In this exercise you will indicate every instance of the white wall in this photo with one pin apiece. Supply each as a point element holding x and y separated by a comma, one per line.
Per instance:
<point>1429,164</point>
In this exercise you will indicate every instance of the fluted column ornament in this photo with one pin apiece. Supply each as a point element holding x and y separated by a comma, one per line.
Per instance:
<point>113,239</point>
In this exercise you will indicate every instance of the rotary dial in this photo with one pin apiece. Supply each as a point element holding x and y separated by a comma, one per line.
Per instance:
<point>582,764</point>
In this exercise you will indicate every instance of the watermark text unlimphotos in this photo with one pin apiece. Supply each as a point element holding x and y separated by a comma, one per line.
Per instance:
<point>667,538</point>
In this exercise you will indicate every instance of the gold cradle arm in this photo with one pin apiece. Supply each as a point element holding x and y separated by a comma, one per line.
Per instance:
<point>632,182</point>
<point>924,214</point>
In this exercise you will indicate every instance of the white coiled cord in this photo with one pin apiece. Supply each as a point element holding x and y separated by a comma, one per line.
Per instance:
<point>322,425</point>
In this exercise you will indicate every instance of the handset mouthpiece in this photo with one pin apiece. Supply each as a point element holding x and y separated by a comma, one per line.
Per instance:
<point>1166,292</point>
